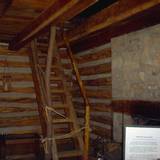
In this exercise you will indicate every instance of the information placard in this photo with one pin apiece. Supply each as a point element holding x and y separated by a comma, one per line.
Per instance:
<point>142,143</point>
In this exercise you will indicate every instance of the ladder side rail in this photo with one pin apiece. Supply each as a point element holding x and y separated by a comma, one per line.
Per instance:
<point>51,51</point>
<point>86,101</point>
<point>40,92</point>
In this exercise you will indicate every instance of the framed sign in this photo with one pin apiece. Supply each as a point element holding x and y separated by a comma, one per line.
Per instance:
<point>142,143</point>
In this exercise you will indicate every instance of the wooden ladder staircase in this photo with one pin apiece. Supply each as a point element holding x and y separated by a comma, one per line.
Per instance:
<point>66,133</point>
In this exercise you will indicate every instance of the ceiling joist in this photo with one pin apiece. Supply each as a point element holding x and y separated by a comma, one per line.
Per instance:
<point>58,12</point>
<point>109,17</point>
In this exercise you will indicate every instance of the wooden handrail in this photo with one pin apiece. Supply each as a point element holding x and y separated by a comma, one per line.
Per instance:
<point>84,94</point>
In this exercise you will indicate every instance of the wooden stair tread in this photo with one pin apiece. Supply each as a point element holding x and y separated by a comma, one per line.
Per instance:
<point>62,120</point>
<point>73,153</point>
<point>66,135</point>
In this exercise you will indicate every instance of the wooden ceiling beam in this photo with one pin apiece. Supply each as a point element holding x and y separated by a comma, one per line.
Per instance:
<point>109,17</point>
<point>139,21</point>
<point>58,12</point>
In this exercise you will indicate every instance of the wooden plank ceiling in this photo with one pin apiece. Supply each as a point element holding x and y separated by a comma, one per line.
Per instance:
<point>16,14</point>
<point>57,13</point>
<point>22,20</point>
<point>19,16</point>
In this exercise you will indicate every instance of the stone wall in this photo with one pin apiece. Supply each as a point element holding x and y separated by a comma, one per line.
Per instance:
<point>135,71</point>
<point>136,65</point>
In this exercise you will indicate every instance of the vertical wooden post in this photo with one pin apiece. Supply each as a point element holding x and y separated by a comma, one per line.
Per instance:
<point>51,50</point>
<point>84,94</point>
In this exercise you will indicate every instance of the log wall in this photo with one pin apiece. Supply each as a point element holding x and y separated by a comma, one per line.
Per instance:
<point>24,147</point>
<point>95,69</point>
<point>18,107</point>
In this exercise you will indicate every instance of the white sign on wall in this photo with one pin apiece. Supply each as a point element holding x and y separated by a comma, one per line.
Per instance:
<point>142,143</point>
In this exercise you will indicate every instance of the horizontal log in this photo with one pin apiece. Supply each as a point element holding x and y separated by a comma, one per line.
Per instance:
<point>22,70</point>
<point>93,88</point>
<point>20,100</point>
<point>20,90</point>
<point>93,100</point>
<point>20,84</point>
<point>94,94</point>
<point>103,54</point>
<point>103,68</point>
<point>22,52</point>
<point>21,129</point>
<point>8,122</point>
<point>4,109</point>
<point>94,77</point>
<point>99,55</point>
<point>99,119</point>
<point>17,95</point>
<point>14,58</point>
<point>14,64</point>
<point>20,105</point>
<point>19,114</point>
<point>18,77</point>
<point>94,107</point>
<point>98,82</point>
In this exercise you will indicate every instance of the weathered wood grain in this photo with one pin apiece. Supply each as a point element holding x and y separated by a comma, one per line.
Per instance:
<point>4,109</point>
<point>95,94</point>
<point>115,13</point>
<point>8,122</point>
<point>59,11</point>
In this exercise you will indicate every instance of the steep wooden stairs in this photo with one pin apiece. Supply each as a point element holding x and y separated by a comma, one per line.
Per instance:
<point>65,140</point>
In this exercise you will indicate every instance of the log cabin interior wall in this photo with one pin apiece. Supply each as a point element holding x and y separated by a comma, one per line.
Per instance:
<point>95,69</point>
<point>18,107</point>
<point>120,74</point>
<point>20,127</point>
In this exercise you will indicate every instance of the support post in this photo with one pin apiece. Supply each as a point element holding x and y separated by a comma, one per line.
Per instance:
<point>51,51</point>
